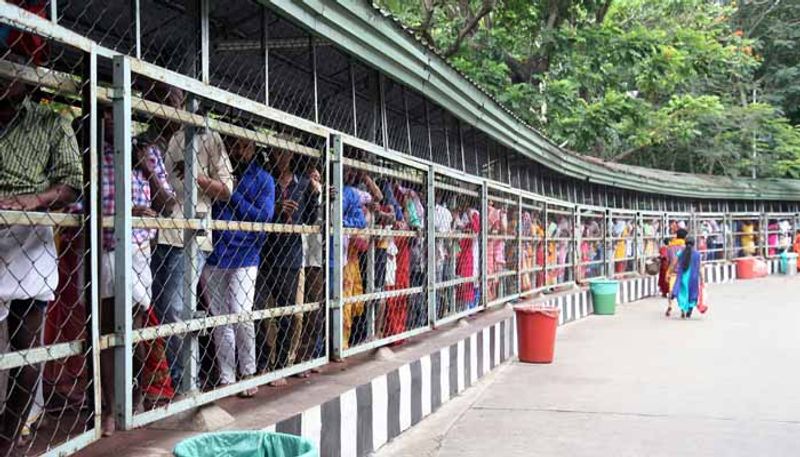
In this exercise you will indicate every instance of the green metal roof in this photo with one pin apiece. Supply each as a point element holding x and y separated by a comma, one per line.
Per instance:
<point>380,40</point>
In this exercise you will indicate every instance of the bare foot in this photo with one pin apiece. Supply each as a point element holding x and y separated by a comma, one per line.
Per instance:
<point>279,383</point>
<point>108,426</point>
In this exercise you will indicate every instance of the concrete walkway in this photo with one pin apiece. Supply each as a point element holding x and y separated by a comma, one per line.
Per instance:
<point>638,384</point>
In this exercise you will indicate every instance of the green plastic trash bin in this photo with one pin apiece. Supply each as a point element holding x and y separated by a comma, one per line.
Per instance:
<point>245,444</point>
<point>788,263</point>
<point>604,296</point>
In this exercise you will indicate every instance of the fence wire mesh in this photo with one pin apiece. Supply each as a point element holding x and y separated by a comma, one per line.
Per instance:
<point>624,228</point>
<point>532,252</point>
<point>384,245</point>
<point>227,254</point>
<point>47,368</point>
<point>592,255</point>
<point>502,280</point>
<point>747,237</point>
<point>457,222</point>
<point>559,266</point>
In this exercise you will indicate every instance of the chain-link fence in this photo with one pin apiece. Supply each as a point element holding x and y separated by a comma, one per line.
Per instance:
<point>502,245</point>
<point>710,238</point>
<point>624,229</point>
<point>560,240</point>
<point>532,251</point>
<point>383,239</point>
<point>780,232</point>
<point>458,251</point>
<point>592,245</point>
<point>651,240</point>
<point>747,238</point>
<point>48,244</point>
<point>227,253</point>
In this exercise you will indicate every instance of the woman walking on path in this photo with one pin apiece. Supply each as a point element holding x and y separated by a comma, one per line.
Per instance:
<point>687,285</point>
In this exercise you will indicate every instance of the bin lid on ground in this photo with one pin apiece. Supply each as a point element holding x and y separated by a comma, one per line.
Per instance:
<point>245,444</point>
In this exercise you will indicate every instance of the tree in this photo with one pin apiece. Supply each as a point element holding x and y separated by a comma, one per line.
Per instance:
<point>659,83</point>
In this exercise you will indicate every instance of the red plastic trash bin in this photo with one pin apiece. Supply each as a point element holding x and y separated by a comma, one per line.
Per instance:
<point>751,267</point>
<point>536,333</point>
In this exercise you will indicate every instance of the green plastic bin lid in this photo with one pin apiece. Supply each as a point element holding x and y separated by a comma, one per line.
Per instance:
<point>245,444</point>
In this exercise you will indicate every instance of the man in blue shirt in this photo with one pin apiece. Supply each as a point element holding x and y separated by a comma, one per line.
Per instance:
<point>230,272</point>
<point>296,203</point>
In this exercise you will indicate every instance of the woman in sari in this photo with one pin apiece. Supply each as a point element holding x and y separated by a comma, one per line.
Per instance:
<point>688,280</point>
<point>663,271</point>
<point>748,238</point>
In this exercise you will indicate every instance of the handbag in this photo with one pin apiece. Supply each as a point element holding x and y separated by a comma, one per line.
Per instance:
<point>702,300</point>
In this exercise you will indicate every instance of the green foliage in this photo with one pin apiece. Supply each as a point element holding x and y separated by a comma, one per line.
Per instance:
<point>658,83</point>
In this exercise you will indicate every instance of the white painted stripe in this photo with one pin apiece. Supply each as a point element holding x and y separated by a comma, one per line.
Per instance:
<point>405,396</point>
<point>568,308</point>
<point>460,366</point>
<point>380,411</point>
<point>486,355</point>
<point>311,424</point>
<point>444,376</point>
<point>508,338</point>
<point>585,304</point>
<point>497,344</point>
<point>473,358</point>
<point>349,425</point>
<point>425,385</point>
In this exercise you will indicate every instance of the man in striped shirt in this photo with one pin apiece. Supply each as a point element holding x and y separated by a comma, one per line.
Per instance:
<point>40,170</point>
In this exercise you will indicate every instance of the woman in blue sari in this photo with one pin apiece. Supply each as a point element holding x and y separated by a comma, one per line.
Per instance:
<point>687,285</point>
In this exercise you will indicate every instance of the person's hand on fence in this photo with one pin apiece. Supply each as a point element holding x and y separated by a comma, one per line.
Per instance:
<point>288,208</point>
<point>143,211</point>
<point>27,202</point>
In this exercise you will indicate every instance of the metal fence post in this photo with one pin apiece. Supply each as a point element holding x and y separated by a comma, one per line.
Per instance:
<point>638,243</point>
<point>519,244</point>
<point>337,168</point>
<point>484,241</point>
<point>576,240</point>
<point>608,265</point>
<point>190,350</point>
<point>123,297</point>
<point>93,214</point>
<point>431,229</point>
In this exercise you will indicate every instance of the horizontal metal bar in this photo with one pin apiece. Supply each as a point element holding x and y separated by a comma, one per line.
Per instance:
<point>382,295</point>
<point>382,232</point>
<point>505,201</point>
<point>460,190</point>
<point>30,218</point>
<point>414,177</point>
<point>74,444</point>
<point>201,398</point>
<point>454,317</point>
<point>501,237</point>
<point>41,354</point>
<point>384,341</point>
<point>502,274</point>
<point>218,95</point>
<point>457,236</point>
<point>204,224</point>
<point>502,300</point>
<point>203,323</point>
<point>456,282</point>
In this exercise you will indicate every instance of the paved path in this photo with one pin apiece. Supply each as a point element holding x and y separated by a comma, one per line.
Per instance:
<point>637,384</point>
